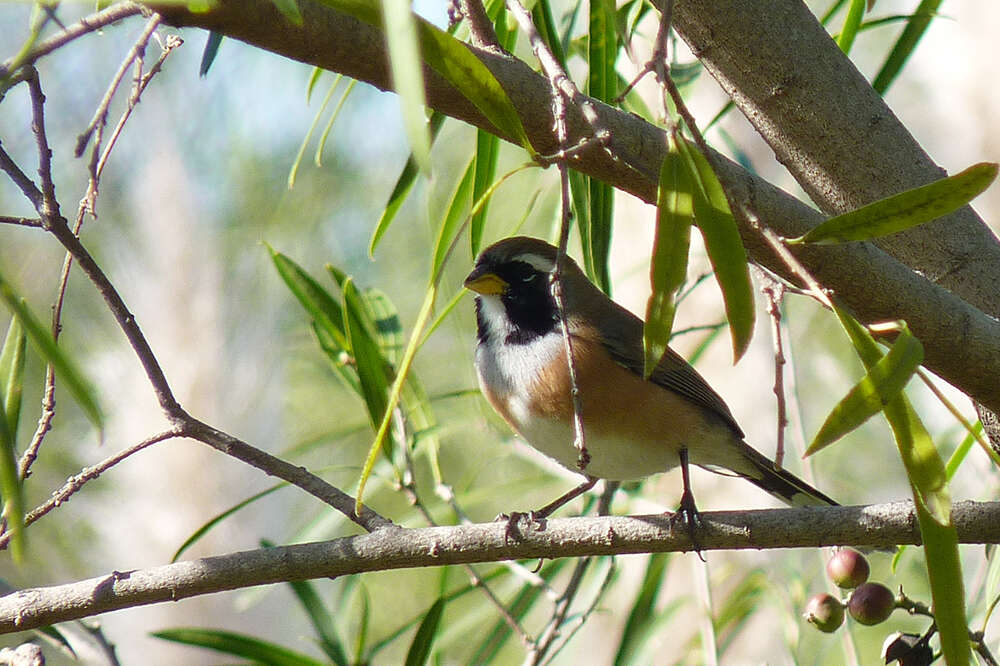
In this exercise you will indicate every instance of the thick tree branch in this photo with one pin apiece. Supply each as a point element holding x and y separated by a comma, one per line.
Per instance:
<point>877,525</point>
<point>870,282</point>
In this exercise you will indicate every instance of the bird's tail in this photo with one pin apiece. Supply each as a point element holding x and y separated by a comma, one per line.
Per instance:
<point>780,483</point>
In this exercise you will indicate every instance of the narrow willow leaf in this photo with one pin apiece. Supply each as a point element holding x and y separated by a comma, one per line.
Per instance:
<point>883,382</point>
<point>602,84</point>
<point>485,169</point>
<point>321,620</point>
<point>321,306</point>
<point>541,16</point>
<point>643,611</point>
<point>314,78</point>
<point>238,645</point>
<point>294,169</point>
<point>915,28</point>
<point>420,648</point>
<point>207,527</point>
<point>924,466</point>
<point>523,602</point>
<point>579,192</point>
<point>290,10</point>
<point>851,24</point>
<point>368,359</point>
<point>928,480</point>
<point>12,374</point>
<point>451,224</point>
<point>408,76</point>
<point>724,247</point>
<point>383,318</point>
<point>668,266</point>
<point>404,184</point>
<point>211,50</point>
<point>321,144</point>
<point>11,490</point>
<point>906,209</point>
<point>75,382</point>
<point>456,63</point>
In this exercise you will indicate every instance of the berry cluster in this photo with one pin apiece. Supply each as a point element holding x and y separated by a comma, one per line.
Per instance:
<point>868,604</point>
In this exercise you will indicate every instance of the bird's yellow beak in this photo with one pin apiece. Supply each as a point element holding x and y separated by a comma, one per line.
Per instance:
<point>485,282</point>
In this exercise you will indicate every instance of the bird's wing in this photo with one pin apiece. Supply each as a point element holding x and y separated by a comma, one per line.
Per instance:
<point>673,372</point>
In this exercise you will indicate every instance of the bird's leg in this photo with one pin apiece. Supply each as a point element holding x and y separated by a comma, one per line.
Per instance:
<point>686,510</point>
<point>547,510</point>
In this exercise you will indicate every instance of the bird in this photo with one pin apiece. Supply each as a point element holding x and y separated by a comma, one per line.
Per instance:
<point>633,426</point>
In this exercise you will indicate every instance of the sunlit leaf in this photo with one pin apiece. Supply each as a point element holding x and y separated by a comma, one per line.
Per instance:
<point>906,209</point>
<point>456,63</point>
<point>12,373</point>
<point>238,645</point>
<point>321,306</point>
<point>883,382</point>
<point>724,247</point>
<point>321,621</point>
<point>485,168</point>
<point>290,10</point>
<point>643,611</point>
<point>209,525</point>
<point>211,50</point>
<point>928,480</point>
<point>368,358</point>
<point>668,266</point>
<point>408,76</point>
<point>915,28</point>
<point>81,390</point>
<point>451,224</point>
<point>420,648</point>
<point>851,24</point>
<point>404,184</point>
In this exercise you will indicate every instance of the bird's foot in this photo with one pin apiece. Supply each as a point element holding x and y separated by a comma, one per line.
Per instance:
<point>688,514</point>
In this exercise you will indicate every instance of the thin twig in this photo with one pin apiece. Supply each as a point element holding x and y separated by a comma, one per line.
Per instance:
<point>563,91</point>
<point>21,221</point>
<point>82,27</point>
<point>657,62</point>
<point>49,209</point>
<point>481,29</point>
<point>774,293</point>
<point>77,481</point>
<point>409,487</point>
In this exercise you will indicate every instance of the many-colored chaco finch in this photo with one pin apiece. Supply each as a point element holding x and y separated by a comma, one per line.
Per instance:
<point>634,427</point>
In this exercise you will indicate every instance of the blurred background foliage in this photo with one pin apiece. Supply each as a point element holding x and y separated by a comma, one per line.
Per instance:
<point>198,184</point>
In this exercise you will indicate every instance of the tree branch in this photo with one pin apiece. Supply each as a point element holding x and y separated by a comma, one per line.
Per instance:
<point>876,525</point>
<point>867,280</point>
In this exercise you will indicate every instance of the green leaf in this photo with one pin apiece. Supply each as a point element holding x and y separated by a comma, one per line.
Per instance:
<point>383,319</point>
<point>906,44</point>
<point>403,186</point>
<point>290,10</point>
<point>928,481</point>
<point>318,302</point>
<point>408,77</point>
<point>456,63</point>
<point>668,265</point>
<point>12,373</point>
<point>321,621</point>
<point>208,526</point>
<point>485,169</point>
<point>11,490</point>
<point>643,611</point>
<point>368,359</point>
<point>724,247</point>
<point>541,16</point>
<point>883,382</point>
<point>81,390</point>
<point>602,84</point>
<point>851,24</point>
<point>211,50</point>
<point>238,645</point>
<point>420,649</point>
<point>452,222</point>
<point>906,209</point>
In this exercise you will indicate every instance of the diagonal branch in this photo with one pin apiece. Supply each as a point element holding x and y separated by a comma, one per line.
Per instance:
<point>874,285</point>
<point>878,525</point>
